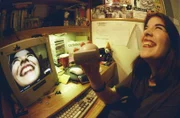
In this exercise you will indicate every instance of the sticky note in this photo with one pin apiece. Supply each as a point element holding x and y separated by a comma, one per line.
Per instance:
<point>63,78</point>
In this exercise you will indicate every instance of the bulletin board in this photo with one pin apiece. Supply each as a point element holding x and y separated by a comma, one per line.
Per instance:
<point>137,9</point>
<point>150,5</point>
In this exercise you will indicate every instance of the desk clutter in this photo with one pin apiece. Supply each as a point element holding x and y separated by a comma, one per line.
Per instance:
<point>87,53</point>
<point>64,98</point>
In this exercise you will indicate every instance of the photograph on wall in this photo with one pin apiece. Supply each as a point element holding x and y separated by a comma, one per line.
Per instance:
<point>98,12</point>
<point>108,2</point>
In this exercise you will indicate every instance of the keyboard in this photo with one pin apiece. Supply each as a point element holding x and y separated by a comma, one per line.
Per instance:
<point>79,107</point>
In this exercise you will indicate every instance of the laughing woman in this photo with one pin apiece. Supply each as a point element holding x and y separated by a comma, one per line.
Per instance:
<point>152,90</point>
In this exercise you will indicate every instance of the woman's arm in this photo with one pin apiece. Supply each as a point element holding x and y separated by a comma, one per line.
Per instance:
<point>105,93</point>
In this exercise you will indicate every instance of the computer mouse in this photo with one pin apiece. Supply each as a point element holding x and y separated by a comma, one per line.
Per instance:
<point>76,70</point>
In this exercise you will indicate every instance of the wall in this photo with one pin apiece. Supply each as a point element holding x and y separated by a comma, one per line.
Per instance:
<point>124,55</point>
<point>123,37</point>
<point>173,10</point>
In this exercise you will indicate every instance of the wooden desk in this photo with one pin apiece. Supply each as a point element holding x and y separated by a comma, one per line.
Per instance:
<point>96,109</point>
<point>52,103</point>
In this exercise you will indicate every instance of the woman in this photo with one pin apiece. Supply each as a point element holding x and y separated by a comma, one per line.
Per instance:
<point>153,88</point>
<point>25,67</point>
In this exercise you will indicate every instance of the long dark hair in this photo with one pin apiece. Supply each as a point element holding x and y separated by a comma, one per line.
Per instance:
<point>170,65</point>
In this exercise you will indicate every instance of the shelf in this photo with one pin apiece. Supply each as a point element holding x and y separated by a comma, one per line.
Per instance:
<point>44,31</point>
<point>52,30</point>
<point>18,19</point>
<point>8,3</point>
<point>119,19</point>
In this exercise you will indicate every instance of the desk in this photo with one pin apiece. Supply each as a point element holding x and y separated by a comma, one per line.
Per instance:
<point>52,103</point>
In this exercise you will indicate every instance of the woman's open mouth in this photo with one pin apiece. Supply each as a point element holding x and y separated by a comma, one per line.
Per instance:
<point>25,69</point>
<point>148,44</point>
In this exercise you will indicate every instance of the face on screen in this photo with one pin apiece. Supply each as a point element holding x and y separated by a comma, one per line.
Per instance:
<point>25,67</point>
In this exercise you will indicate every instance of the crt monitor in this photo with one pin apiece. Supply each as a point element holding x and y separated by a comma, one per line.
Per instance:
<point>29,69</point>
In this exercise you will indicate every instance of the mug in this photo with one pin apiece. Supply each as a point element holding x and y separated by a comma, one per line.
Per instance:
<point>64,60</point>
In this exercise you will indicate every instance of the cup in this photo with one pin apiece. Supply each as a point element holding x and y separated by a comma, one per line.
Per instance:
<point>64,60</point>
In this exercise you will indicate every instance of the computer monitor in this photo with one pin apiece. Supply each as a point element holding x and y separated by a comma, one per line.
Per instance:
<point>29,69</point>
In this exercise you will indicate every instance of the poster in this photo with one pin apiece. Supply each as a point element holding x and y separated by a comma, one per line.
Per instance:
<point>117,33</point>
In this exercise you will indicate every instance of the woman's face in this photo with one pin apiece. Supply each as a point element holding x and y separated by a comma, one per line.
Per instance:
<point>155,40</point>
<point>25,68</point>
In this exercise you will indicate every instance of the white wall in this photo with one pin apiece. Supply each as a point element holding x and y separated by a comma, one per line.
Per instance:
<point>173,10</point>
<point>124,58</point>
<point>123,37</point>
<point>176,12</point>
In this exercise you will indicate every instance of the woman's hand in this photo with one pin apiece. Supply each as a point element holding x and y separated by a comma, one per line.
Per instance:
<point>91,68</point>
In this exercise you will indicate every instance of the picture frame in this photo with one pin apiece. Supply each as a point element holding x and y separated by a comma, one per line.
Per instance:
<point>31,23</point>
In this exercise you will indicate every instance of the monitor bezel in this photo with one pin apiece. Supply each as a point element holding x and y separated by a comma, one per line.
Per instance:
<point>29,96</point>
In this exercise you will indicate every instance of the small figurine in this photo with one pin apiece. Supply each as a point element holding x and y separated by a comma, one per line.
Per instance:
<point>66,15</point>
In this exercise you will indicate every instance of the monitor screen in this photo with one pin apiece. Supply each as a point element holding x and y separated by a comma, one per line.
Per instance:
<point>29,66</point>
<point>29,69</point>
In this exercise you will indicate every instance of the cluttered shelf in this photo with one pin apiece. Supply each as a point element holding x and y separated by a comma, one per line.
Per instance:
<point>7,3</point>
<point>17,17</point>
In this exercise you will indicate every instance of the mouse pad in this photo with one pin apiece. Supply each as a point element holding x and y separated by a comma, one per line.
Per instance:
<point>73,77</point>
